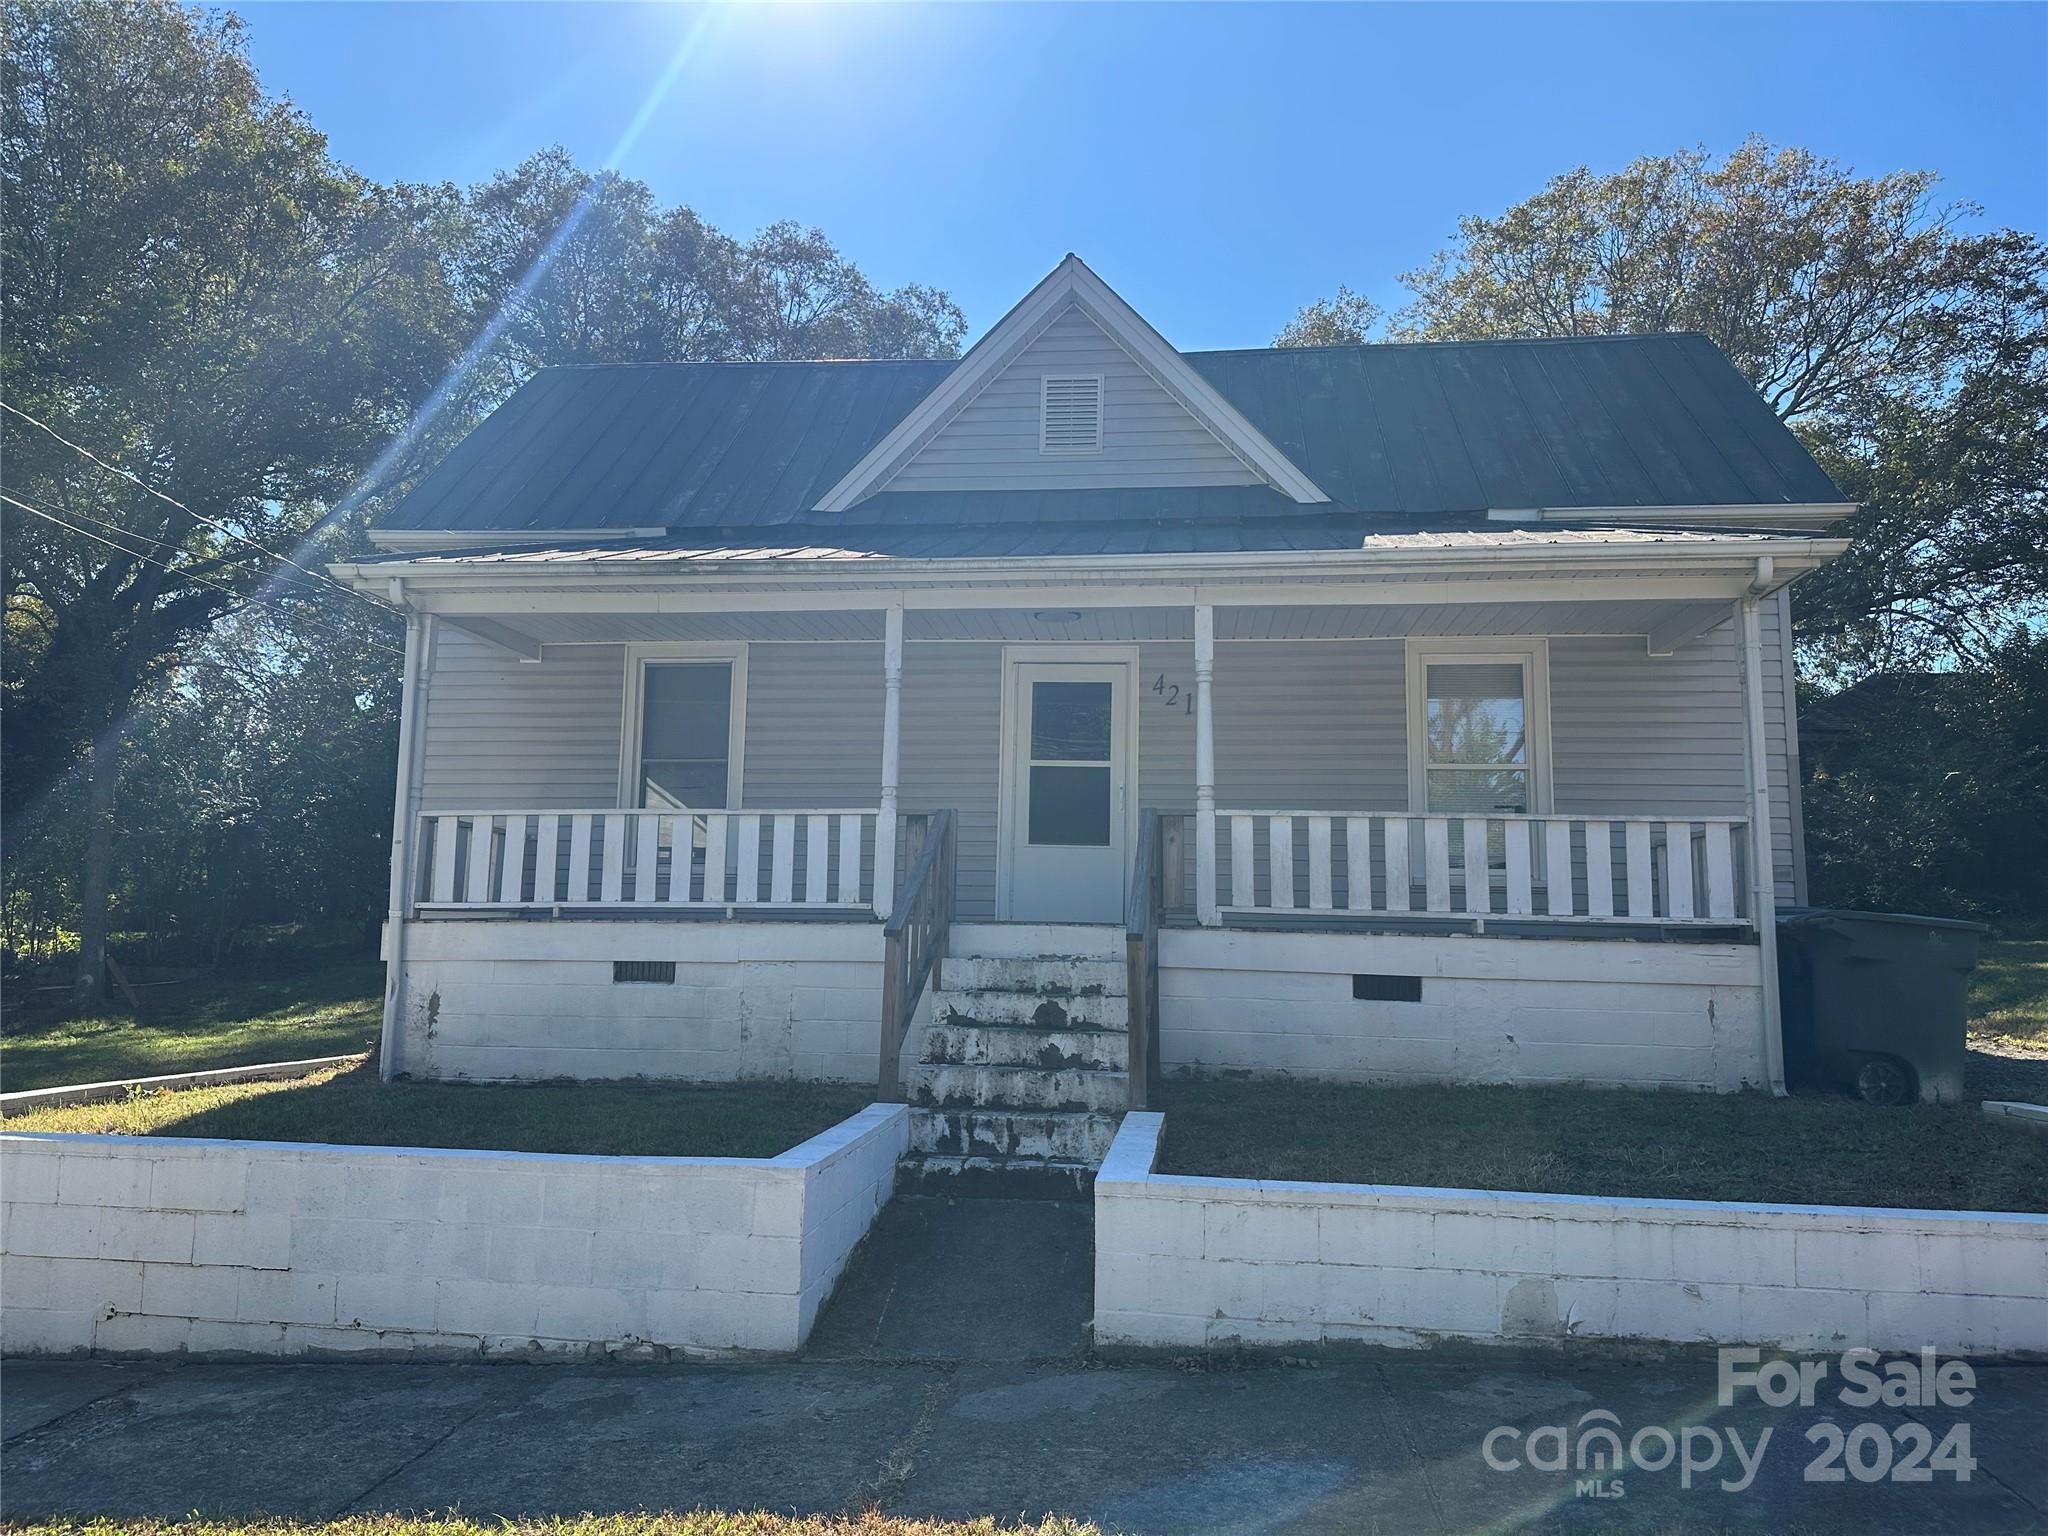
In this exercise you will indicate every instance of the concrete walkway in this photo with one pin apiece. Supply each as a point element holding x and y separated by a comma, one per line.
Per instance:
<point>949,1378</point>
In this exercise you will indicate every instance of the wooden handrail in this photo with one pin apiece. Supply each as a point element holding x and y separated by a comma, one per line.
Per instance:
<point>913,943</point>
<point>1141,956</point>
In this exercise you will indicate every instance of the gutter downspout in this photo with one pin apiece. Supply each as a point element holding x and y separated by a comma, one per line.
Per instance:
<point>419,663</point>
<point>1763,876</point>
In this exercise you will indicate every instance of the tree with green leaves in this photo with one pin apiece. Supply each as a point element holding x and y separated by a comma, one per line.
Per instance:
<point>199,293</point>
<point>1909,352</point>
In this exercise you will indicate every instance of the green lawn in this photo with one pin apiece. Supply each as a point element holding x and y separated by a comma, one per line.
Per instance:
<point>350,1106</point>
<point>327,1011</point>
<point>1589,1141</point>
<point>2009,997</point>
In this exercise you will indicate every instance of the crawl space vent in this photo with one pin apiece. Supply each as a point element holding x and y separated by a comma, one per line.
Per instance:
<point>643,970</point>
<point>1070,413</point>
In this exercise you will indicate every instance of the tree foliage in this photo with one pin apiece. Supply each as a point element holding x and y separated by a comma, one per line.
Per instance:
<point>1910,353</point>
<point>267,346</point>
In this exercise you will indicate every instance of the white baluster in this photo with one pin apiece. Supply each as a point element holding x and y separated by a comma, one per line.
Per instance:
<point>747,888</point>
<point>1399,890</point>
<point>850,828</point>
<point>611,884</point>
<point>646,855</point>
<point>782,860</point>
<point>1599,869</point>
<point>512,871</point>
<point>579,857</point>
<point>444,857</point>
<point>1641,889</point>
<point>1678,869</point>
<point>1720,872</point>
<point>715,824</point>
<point>815,857</point>
<point>1319,877</point>
<point>1242,891</point>
<point>1557,868</point>
<point>1436,863</point>
<point>476,884</point>
<point>1358,863</point>
<point>1478,880</point>
<point>1280,861</point>
<point>547,840</point>
<point>1521,897</point>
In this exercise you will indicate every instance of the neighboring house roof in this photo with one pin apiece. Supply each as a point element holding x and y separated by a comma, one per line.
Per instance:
<point>1396,436</point>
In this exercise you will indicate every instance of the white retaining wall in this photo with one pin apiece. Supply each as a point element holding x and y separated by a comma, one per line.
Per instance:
<point>1493,1010</point>
<point>153,1244</point>
<point>498,1000</point>
<point>1185,1262</point>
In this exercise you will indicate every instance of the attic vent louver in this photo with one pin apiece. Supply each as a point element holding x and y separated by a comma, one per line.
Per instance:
<point>1070,413</point>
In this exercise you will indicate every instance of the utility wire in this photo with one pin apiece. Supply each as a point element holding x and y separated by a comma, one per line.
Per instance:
<point>146,539</point>
<point>198,517</point>
<point>244,597</point>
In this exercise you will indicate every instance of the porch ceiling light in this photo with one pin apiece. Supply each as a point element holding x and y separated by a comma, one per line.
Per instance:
<point>1057,615</point>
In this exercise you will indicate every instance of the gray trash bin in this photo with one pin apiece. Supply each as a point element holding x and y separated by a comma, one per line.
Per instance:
<point>1875,1002</point>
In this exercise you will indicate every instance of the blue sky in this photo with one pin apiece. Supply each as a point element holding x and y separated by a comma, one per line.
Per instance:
<point>1220,165</point>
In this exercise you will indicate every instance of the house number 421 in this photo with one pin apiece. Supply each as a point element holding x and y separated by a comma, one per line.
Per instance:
<point>1173,696</point>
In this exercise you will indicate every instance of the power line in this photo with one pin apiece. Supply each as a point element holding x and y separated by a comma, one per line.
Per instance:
<point>192,576</point>
<point>143,538</point>
<point>198,517</point>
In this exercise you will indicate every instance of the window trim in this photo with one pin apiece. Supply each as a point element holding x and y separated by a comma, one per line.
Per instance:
<point>1532,656</point>
<point>637,658</point>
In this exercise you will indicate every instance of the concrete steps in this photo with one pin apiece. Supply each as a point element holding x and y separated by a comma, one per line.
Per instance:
<point>1020,1079</point>
<point>1024,1045</point>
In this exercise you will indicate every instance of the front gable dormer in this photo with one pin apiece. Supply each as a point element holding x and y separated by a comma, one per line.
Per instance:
<point>1071,390</point>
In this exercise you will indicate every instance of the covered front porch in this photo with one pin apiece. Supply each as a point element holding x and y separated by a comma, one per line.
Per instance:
<point>1497,736</point>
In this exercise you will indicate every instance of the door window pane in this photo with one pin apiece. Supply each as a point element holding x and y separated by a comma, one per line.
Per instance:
<point>1069,807</point>
<point>1070,722</point>
<point>685,730</point>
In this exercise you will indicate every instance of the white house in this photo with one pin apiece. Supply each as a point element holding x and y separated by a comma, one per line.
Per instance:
<point>992,729</point>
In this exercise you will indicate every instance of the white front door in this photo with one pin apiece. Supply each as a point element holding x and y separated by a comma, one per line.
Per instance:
<point>1066,811</point>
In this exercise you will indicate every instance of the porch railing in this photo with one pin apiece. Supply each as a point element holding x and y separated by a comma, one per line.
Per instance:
<point>1622,869</point>
<point>1155,887</point>
<point>914,941</point>
<point>820,859</point>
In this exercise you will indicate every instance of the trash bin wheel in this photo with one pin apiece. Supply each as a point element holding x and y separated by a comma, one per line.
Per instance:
<point>1884,1080</point>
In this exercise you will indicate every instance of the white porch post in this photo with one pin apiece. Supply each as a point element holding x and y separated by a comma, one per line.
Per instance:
<point>419,642</point>
<point>1205,767</point>
<point>1763,877</point>
<point>892,735</point>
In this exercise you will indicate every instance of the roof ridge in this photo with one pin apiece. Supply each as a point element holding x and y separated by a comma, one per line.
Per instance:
<point>1478,341</point>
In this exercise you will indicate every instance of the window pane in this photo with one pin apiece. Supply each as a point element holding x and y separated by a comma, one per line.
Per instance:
<point>1466,791</point>
<point>685,723</point>
<point>1070,807</point>
<point>1070,722</point>
<point>686,710</point>
<point>682,784</point>
<point>1475,713</point>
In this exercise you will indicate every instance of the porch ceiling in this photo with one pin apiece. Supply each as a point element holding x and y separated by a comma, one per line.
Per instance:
<point>1319,621</point>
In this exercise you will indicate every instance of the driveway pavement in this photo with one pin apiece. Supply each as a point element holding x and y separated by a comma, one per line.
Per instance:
<point>942,1388</point>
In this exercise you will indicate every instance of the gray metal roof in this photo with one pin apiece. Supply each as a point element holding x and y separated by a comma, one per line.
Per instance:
<point>1402,435</point>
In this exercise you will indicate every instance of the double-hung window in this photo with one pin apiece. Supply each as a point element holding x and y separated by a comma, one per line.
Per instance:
<point>685,727</point>
<point>1478,728</point>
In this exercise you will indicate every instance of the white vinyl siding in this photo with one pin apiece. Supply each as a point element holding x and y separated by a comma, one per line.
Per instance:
<point>504,734</point>
<point>1148,438</point>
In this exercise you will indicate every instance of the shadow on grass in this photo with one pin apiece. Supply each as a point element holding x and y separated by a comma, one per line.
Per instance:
<point>353,1108</point>
<point>1617,1142</point>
